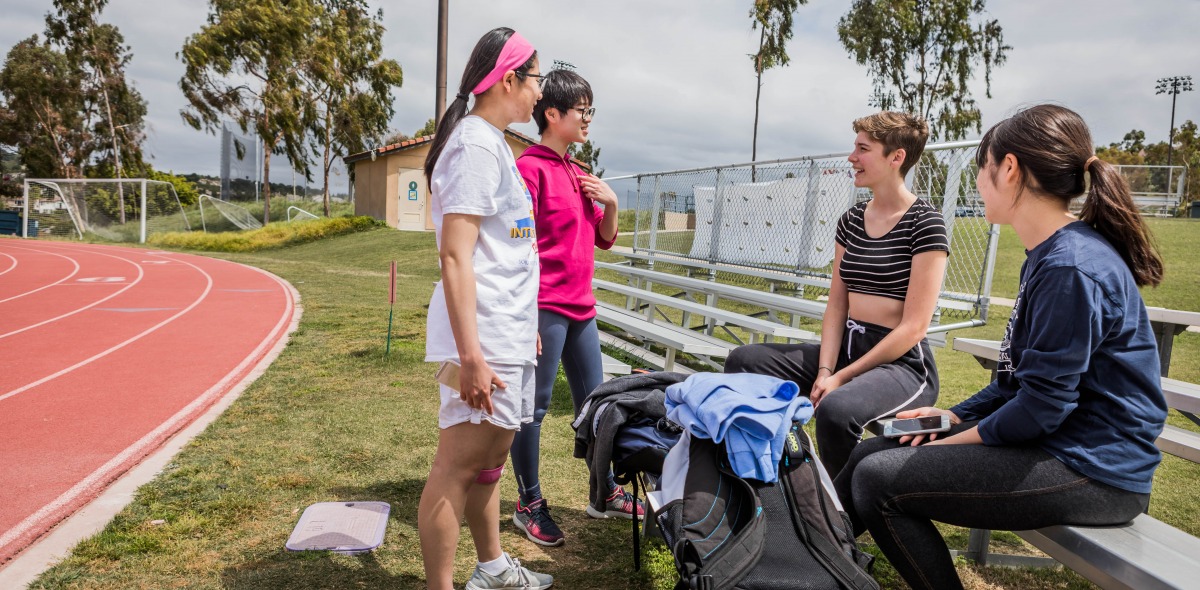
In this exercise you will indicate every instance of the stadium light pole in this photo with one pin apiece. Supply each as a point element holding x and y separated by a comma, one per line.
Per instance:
<point>1173,86</point>
<point>443,25</point>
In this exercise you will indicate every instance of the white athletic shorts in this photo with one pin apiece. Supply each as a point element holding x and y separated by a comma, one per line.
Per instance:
<point>511,407</point>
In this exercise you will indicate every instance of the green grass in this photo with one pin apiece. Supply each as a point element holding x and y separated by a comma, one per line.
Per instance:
<point>334,419</point>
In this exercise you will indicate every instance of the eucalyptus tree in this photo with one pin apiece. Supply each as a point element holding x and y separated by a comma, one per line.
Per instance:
<point>350,82</point>
<point>923,54</point>
<point>43,110</point>
<point>774,20</point>
<point>114,110</point>
<point>248,63</point>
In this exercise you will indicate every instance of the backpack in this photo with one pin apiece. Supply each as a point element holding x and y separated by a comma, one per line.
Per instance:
<point>730,533</point>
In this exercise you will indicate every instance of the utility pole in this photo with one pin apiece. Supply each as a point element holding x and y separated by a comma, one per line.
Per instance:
<point>443,26</point>
<point>1173,86</point>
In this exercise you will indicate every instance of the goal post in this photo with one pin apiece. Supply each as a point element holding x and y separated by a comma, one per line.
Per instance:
<point>102,207</point>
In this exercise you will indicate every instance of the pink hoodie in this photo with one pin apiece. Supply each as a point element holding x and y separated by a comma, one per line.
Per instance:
<point>568,230</point>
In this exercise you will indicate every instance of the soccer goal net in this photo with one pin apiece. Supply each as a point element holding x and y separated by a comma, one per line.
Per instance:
<point>218,216</point>
<point>126,210</point>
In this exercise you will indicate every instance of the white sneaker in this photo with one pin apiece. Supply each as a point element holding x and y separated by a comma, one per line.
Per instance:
<point>515,576</point>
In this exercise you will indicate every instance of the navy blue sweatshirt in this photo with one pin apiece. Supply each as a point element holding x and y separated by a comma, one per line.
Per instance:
<point>1078,372</point>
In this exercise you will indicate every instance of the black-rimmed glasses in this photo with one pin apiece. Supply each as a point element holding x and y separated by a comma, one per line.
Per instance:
<point>541,80</point>
<point>587,113</point>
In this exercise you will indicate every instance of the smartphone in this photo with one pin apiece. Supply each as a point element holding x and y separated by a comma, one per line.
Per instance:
<point>448,374</point>
<point>910,426</point>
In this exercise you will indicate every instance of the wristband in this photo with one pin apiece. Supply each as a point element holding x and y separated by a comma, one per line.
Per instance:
<point>831,371</point>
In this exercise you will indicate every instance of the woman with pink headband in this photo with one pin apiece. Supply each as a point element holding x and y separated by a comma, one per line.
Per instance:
<point>482,322</point>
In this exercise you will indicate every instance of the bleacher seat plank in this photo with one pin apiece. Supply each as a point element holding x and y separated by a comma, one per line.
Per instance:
<point>672,337</point>
<point>1146,554</point>
<point>612,366</point>
<point>1181,395</point>
<point>1184,444</point>
<point>650,358</point>
<point>947,300</point>
<point>666,334</point>
<point>775,301</point>
<point>724,316</point>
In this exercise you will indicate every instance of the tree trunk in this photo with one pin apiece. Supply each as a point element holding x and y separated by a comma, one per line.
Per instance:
<point>268,146</point>
<point>112,128</point>
<point>325,168</point>
<point>116,149</point>
<point>267,182</point>
<point>757,96</point>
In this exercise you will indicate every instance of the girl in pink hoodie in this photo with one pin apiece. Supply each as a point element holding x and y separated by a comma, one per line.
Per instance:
<point>574,212</point>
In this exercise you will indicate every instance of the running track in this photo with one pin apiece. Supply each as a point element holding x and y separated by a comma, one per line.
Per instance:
<point>105,352</point>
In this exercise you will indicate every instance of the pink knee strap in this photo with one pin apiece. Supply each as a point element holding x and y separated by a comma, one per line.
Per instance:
<point>489,476</point>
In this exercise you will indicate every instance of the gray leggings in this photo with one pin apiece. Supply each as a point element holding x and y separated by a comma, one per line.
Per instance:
<point>577,345</point>
<point>910,381</point>
<point>895,492</point>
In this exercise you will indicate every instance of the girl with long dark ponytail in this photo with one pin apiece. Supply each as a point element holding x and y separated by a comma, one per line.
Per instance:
<point>482,322</point>
<point>1055,148</point>
<point>1065,434</point>
<point>479,65</point>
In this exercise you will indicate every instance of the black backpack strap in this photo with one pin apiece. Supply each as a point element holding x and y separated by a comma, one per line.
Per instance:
<point>847,571</point>
<point>798,449</point>
<point>637,541</point>
<point>696,582</point>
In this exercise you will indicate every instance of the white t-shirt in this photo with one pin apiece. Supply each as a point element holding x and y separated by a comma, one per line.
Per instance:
<point>476,175</point>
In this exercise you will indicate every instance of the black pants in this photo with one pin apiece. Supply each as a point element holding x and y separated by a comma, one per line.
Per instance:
<point>896,492</point>
<point>910,381</point>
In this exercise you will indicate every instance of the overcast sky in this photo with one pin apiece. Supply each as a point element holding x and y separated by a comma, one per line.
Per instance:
<point>674,86</point>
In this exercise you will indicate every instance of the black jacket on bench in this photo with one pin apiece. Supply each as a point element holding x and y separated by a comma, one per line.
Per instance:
<point>616,401</point>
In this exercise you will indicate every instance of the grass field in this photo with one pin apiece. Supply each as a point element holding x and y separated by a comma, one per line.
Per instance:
<point>335,419</point>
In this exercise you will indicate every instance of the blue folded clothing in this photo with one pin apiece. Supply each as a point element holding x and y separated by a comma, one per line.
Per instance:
<point>750,413</point>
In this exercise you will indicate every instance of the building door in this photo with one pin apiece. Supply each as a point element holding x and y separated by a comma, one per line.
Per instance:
<point>410,211</point>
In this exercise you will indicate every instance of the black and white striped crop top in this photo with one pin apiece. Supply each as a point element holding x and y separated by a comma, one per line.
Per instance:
<point>881,266</point>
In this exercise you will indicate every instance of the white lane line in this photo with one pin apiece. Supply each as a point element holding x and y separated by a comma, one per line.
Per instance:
<point>140,274</point>
<point>10,257</point>
<point>72,273</point>
<point>287,323</point>
<point>201,298</point>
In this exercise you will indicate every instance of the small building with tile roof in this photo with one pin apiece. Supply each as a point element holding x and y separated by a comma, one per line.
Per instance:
<point>389,181</point>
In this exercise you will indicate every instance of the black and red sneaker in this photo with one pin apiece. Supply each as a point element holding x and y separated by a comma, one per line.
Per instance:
<point>619,504</point>
<point>535,520</point>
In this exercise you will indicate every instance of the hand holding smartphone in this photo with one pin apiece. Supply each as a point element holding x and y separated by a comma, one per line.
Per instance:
<point>899,427</point>
<point>450,375</point>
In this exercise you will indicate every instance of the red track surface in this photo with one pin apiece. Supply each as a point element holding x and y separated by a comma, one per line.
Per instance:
<point>105,352</point>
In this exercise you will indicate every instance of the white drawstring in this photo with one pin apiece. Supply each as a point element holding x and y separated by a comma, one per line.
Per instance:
<point>854,327</point>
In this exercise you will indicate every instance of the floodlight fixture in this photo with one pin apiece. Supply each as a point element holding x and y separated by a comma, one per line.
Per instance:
<point>1173,86</point>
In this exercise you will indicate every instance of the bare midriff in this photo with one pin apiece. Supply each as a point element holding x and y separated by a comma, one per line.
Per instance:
<point>877,310</point>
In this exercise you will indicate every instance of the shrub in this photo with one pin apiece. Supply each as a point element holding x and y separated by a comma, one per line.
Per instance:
<point>275,235</point>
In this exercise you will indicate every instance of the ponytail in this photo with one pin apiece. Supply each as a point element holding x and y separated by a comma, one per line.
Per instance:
<point>479,65</point>
<point>1054,148</point>
<point>1109,208</point>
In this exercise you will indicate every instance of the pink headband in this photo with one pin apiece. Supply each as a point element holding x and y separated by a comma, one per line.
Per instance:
<point>514,55</point>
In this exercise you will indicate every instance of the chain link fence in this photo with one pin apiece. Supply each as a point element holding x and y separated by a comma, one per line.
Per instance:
<point>780,216</point>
